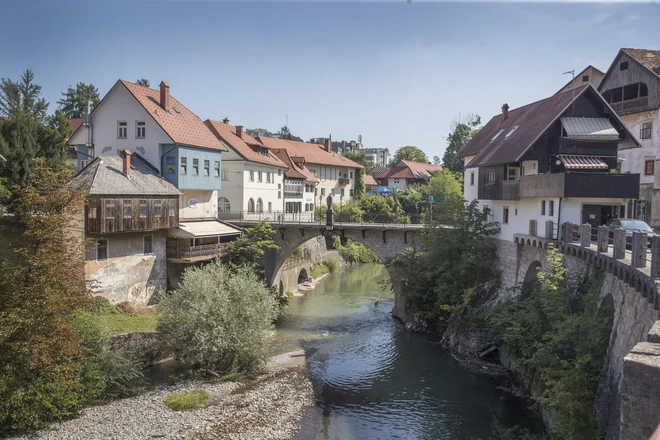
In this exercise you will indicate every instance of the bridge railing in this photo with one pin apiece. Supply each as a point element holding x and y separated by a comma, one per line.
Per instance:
<point>640,247</point>
<point>340,218</point>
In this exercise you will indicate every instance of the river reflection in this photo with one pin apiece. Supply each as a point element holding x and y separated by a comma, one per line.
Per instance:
<point>374,380</point>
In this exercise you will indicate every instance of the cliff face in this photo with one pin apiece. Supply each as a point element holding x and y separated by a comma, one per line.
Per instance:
<point>628,400</point>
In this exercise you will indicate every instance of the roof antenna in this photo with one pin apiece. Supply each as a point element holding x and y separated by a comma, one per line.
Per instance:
<point>572,72</point>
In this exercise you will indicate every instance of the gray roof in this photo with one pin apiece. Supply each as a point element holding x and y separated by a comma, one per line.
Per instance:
<point>105,175</point>
<point>376,170</point>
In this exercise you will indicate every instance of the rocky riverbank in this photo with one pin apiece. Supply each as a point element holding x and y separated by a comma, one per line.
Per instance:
<point>268,407</point>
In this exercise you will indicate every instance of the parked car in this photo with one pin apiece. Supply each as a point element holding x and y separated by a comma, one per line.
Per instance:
<point>631,225</point>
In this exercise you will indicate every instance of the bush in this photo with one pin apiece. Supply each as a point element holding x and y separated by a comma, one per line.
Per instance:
<point>217,319</point>
<point>332,264</point>
<point>186,401</point>
<point>498,431</point>
<point>100,305</point>
<point>318,271</point>
<point>355,252</point>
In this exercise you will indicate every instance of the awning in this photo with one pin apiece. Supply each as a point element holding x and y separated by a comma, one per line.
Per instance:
<point>583,162</point>
<point>383,190</point>
<point>589,128</point>
<point>205,228</point>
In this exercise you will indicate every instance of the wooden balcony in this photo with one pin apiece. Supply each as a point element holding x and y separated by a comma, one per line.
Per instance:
<point>631,105</point>
<point>596,185</point>
<point>502,190</point>
<point>196,253</point>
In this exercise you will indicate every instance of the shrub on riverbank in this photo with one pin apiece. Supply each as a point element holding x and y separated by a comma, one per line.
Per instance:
<point>559,328</point>
<point>352,252</point>
<point>187,401</point>
<point>216,321</point>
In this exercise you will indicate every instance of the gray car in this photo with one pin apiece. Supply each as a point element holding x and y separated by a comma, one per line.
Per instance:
<point>631,225</point>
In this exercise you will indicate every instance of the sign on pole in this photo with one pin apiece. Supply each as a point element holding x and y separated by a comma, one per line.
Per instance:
<point>431,199</point>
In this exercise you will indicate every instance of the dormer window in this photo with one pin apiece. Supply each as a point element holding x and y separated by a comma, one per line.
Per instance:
<point>496,135</point>
<point>511,131</point>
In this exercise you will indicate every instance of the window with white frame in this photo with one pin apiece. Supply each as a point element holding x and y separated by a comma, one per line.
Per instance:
<point>143,208</point>
<point>216,169</point>
<point>260,177</point>
<point>109,209</point>
<point>122,129</point>
<point>184,166</point>
<point>251,176</point>
<point>128,208</point>
<point>396,180</point>
<point>158,208</point>
<point>512,173</point>
<point>472,178</point>
<point>140,129</point>
<point>171,209</point>
<point>195,169</point>
<point>207,166</point>
<point>645,131</point>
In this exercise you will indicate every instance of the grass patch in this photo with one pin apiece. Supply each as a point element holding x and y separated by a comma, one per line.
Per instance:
<point>119,323</point>
<point>186,401</point>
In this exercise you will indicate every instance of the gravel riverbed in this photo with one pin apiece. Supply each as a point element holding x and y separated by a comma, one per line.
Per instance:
<point>268,407</point>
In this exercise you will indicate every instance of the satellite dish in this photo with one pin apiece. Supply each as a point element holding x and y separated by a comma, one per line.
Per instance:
<point>558,162</point>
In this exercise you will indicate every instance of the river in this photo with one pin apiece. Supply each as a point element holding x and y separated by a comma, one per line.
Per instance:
<point>374,380</point>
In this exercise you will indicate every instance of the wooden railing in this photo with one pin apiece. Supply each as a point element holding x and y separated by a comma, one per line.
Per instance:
<point>207,250</point>
<point>631,105</point>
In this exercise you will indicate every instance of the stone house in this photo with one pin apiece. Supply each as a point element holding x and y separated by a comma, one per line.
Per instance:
<point>631,87</point>
<point>552,160</point>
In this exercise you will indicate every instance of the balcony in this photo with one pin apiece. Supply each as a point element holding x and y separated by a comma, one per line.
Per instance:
<point>596,185</point>
<point>196,253</point>
<point>344,181</point>
<point>502,190</point>
<point>293,194</point>
<point>631,105</point>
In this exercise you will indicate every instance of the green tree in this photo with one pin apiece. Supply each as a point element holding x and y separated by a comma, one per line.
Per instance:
<point>217,320</point>
<point>357,156</point>
<point>250,247</point>
<point>74,101</point>
<point>410,152</point>
<point>463,129</point>
<point>445,189</point>
<point>40,288</point>
<point>360,188</point>
<point>437,160</point>
<point>285,133</point>
<point>22,98</point>
<point>61,127</point>
<point>143,82</point>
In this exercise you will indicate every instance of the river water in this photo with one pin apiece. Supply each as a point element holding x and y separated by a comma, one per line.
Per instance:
<point>374,380</point>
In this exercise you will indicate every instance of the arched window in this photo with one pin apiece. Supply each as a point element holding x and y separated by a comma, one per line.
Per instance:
<point>251,205</point>
<point>260,205</point>
<point>223,205</point>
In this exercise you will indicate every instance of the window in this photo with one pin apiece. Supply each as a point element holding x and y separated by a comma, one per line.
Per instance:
<point>322,191</point>
<point>512,173</point>
<point>158,211</point>
<point>102,249</point>
<point>505,215</point>
<point>649,167</point>
<point>279,186</point>
<point>251,176</point>
<point>184,166</point>
<point>216,169</point>
<point>279,194</point>
<point>351,174</point>
<point>207,165</point>
<point>585,78</point>
<point>251,205</point>
<point>542,207</point>
<point>195,167</point>
<point>260,205</point>
<point>83,164</point>
<point>279,172</point>
<point>551,208</point>
<point>396,180</point>
<point>342,192</point>
<point>171,164</point>
<point>128,209</point>
<point>270,206</point>
<point>109,209</point>
<point>618,167</point>
<point>496,135</point>
<point>148,241</point>
<point>259,177</point>
<point>91,209</point>
<point>122,129</point>
<point>140,129</point>
<point>351,192</point>
<point>225,175</point>
<point>490,177</point>
<point>171,208</point>
<point>268,177</point>
<point>623,65</point>
<point>143,209</point>
<point>645,131</point>
<point>332,191</point>
<point>511,131</point>
<point>472,178</point>
<point>223,205</point>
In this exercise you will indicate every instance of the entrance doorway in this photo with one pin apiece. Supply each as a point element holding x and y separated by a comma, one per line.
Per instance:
<point>598,215</point>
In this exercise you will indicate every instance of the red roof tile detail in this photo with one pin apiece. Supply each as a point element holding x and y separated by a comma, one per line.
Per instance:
<point>531,121</point>
<point>369,180</point>
<point>74,124</point>
<point>297,168</point>
<point>180,124</point>
<point>227,133</point>
<point>407,169</point>
<point>313,153</point>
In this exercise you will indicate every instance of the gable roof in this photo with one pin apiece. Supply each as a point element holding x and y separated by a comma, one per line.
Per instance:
<point>647,58</point>
<point>74,124</point>
<point>578,76</point>
<point>313,153</point>
<point>105,176</point>
<point>227,133</point>
<point>407,169</point>
<point>500,142</point>
<point>297,168</point>
<point>369,180</point>
<point>376,170</point>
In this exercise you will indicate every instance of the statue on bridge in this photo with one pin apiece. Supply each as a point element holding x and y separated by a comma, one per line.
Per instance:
<point>329,215</point>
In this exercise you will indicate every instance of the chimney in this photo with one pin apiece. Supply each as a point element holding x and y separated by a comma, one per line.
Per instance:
<point>164,95</point>
<point>505,112</point>
<point>239,131</point>
<point>327,145</point>
<point>127,162</point>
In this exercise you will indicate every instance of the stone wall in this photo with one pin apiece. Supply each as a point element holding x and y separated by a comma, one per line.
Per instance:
<point>306,256</point>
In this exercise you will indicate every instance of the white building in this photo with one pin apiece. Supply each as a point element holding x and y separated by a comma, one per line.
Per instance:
<point>252,176</point>
<point>336,174</point>
<point>551,160</point>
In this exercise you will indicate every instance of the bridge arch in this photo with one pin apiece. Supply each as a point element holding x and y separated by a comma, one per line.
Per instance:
<point>532,272</point>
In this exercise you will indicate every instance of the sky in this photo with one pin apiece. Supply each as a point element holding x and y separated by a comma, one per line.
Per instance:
<point>397,73</point>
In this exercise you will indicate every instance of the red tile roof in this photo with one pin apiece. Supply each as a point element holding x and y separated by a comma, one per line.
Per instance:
<point>407,169</point>
<point>227,133</point>
<point>531,120</point>
<point>297,168</point>
<point>369,180</point>
<point>313,153</point>
<point>180,124</point>
<point>74,124</point>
